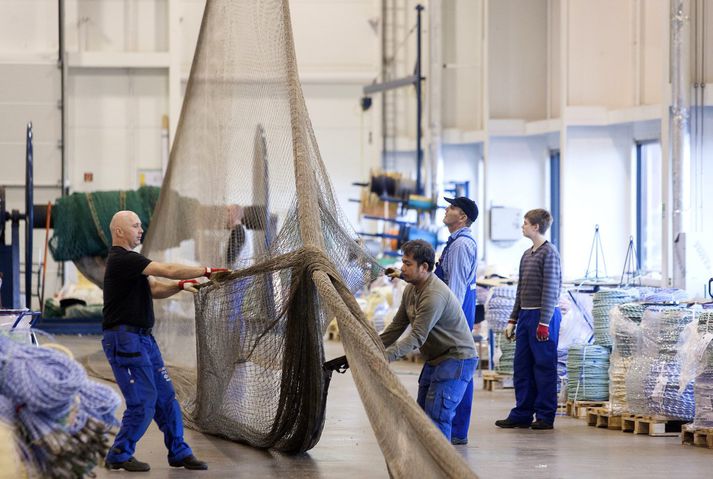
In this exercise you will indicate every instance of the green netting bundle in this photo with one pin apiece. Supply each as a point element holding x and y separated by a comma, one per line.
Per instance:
<point>81,220</point>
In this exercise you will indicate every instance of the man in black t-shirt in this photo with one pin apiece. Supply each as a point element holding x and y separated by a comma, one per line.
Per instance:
<point>130,284</point>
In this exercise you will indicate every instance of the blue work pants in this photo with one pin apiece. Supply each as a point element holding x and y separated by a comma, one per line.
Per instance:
<point>141,375</point>
<point>461,421</point>
<point>441,388</point>
<point>535,369</point>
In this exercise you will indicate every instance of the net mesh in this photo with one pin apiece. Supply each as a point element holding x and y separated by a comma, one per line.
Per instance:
<point>246,189</point>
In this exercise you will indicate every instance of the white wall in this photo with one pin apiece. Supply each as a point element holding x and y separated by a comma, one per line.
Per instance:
<point>462,33</point>
<point>517,56</point>
<point>462,163</point>
<point>596,190</point>
<point>516,172</point>
<point>600,37</point>
<point>114,126</point>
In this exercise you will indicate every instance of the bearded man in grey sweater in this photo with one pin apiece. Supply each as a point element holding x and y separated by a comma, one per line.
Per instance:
<point>438,329</point>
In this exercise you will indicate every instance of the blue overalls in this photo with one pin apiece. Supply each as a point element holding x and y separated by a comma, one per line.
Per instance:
<point>461,420</point>
<point>535,369</point>
<point>141,375</point>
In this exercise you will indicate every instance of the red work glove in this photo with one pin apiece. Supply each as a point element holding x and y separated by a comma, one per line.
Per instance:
<point>187,285</point>
<point>543,332</point>
<point>209,271</point>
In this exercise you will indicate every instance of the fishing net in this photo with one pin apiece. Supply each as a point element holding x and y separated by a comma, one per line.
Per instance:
<point>81,225</point>
<point>246,189</point>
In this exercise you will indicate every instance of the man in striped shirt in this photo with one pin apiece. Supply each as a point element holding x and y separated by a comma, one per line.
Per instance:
<point>538,320</point>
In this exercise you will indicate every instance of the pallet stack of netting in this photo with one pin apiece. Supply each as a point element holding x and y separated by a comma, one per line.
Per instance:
<point>652,381</point>
<point>625,332</point>
<point>696,357</point>
<point>498,308</point>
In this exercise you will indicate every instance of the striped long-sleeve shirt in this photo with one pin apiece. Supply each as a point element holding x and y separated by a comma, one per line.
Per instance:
<point>460,262</point>
<point>539,283</point>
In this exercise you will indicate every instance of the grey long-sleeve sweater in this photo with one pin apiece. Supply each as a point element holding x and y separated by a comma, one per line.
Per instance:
<point>539,283</point>
<point>438,326</point>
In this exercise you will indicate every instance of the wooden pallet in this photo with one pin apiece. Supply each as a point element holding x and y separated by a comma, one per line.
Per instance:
<point>604,418</point>
<point>578,409</point>
<point>656,426</point>
<point>702,437</point>
<point>493,381</point>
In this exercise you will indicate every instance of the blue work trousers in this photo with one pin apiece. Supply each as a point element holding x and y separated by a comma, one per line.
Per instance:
<point>461,421</point>
<point>142,377</point>
<point>535,369</point>
<point>441,388</point>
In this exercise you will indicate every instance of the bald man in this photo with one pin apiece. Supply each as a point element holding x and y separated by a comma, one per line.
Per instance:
<point>130,285</point>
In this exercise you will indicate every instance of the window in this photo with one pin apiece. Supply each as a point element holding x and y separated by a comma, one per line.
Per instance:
<point>555,197</point>
<point>648,206</point>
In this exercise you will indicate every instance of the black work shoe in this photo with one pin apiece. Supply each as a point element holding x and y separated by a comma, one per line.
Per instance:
<point>131,465</point>
<point>540,425</point>
<point>457,441</point>
<point>510,424</point>
<point>190,462</point>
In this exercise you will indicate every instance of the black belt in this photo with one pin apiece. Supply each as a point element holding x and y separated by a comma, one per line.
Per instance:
<point>130,329</point>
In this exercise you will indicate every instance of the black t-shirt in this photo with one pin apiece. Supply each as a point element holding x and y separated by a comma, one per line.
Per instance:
<point>127,294</point>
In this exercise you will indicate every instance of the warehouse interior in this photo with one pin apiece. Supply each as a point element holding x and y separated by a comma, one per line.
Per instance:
<point>297,145</point>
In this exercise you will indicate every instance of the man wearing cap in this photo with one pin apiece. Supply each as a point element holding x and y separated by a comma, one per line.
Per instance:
<point>457,267</point>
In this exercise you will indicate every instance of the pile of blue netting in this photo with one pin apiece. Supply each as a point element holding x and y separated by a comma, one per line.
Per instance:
<point>652,383</point>
<point>62,420</point>
<point>498,307</point>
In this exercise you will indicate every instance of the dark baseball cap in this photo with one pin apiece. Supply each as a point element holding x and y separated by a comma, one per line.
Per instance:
<point>467,205</point>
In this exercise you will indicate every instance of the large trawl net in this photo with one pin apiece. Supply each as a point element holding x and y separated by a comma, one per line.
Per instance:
<point>246,189</point>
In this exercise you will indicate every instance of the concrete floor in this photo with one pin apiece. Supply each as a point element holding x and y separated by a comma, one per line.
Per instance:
<point>348,448</point>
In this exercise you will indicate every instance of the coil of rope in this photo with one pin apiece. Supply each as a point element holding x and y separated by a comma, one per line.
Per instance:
<point>604,301</point>
<point>588,373</point>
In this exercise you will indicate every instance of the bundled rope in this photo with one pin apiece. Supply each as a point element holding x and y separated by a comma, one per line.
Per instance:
<point>62,417</point>
<point>504,364</point>
<point>626,334</point>
<point>652,383</point>
<point>498,307</point>
<point>604,301</point>
<point>588,373</point>
<point>663,295</point>
<point>696,357</point>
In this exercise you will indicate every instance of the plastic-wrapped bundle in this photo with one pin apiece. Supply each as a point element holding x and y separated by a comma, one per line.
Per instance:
<point>653,378</point>
<point>625,333</point>
<point>664,295</point>
<point>696,355</point>
<point>703,396</point>
<point>588,373</point>
<point>663,397</point>
<point>604,301</point>
<point>481,294</point>
<point>562,355</point>
<point>576,327</point>
<point>504,364</point>
<point>498,307</point>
